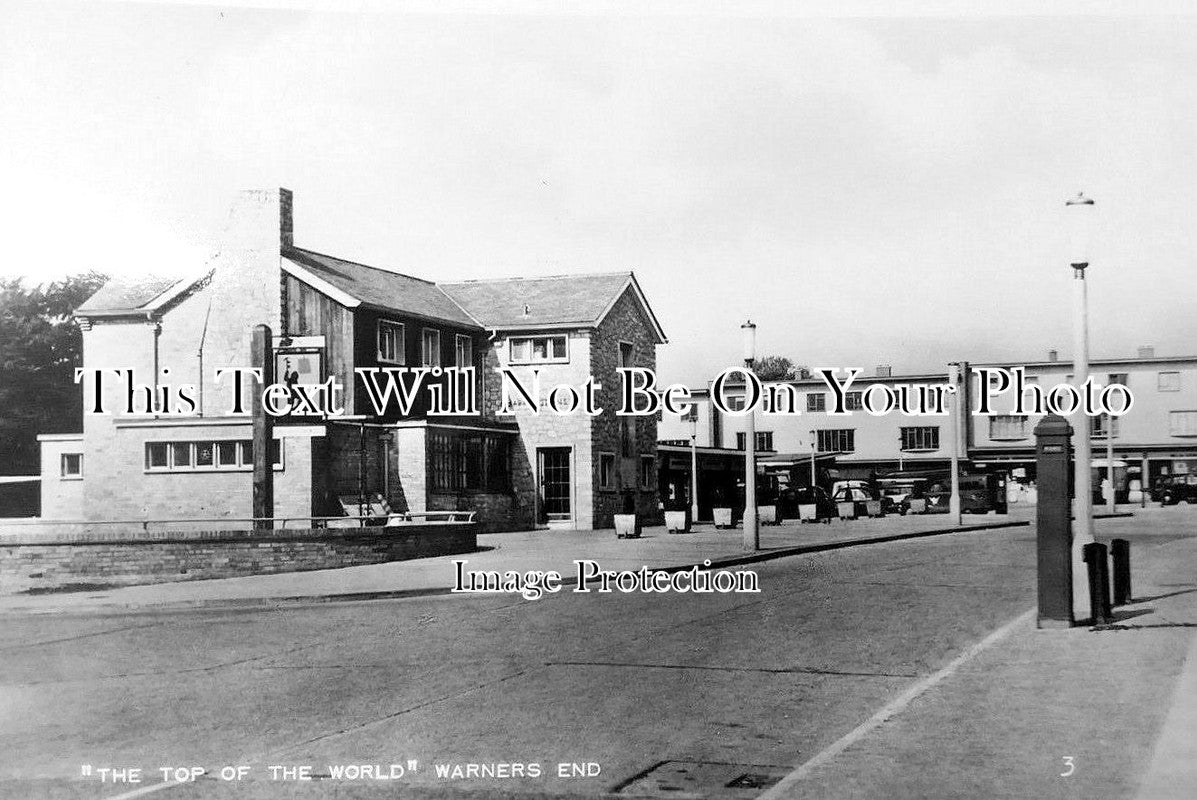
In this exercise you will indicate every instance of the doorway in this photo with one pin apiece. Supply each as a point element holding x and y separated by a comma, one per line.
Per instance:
<point>556,486</point>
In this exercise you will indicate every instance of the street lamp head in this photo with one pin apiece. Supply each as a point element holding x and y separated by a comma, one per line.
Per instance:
<point>1081,222</point>
<point>749,329</point>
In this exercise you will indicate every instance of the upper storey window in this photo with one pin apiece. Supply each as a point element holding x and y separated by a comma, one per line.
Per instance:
<point>390,342</point>
<point>539,349</point>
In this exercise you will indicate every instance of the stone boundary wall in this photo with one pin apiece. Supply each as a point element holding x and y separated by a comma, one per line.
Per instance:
<point>56,560</point>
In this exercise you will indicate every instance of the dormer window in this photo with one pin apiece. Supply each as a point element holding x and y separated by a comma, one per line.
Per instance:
<point>539,349</point>
<point>391,342</point>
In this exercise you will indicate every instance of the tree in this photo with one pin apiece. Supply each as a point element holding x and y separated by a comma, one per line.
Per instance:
<point>40,346</point>
<point>778,368</point>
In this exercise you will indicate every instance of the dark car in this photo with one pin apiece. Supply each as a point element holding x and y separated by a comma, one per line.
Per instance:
<point>1176,490</point>
<point>979,494</point>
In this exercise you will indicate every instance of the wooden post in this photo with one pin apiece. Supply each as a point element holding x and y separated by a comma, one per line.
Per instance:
<point>262,357</point>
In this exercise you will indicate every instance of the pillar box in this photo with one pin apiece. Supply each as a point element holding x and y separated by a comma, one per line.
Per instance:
<point>1053,464</point>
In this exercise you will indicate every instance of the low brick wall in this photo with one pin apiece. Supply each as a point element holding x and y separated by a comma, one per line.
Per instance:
<point>49,560</point>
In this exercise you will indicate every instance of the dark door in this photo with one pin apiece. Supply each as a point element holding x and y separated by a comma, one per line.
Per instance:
<point>555,484</point>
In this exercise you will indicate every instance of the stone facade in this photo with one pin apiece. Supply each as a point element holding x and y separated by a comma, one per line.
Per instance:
<point>625,323</point>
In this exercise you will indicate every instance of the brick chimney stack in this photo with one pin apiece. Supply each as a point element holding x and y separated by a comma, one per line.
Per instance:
<point>1147,351</point>
<point>1053,355</point>
<point>286,227</point>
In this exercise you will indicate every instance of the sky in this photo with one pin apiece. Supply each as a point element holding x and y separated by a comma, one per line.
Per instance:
<point>868,188</point>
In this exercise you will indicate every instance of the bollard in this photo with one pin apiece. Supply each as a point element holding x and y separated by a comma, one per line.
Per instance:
<point>1099,583</point>
<point>1120,557</point>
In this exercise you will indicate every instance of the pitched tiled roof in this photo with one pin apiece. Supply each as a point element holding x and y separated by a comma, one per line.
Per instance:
<point>380,287</point>
<point>126,294</point>
<point>557,300</point>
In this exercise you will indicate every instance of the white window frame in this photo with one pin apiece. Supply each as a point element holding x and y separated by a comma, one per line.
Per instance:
<point>607,485</point>
<point>397,328</point>
<point>847,433</point>
<point>469,342</point>
<point>243,464</point>
<point>1189,428</point>
<point>919,432</point>
<point>62,466</point>
<point>424,359</point>
<point>511,358</point>
<point>1099,431</point>
<point>1008,419</point>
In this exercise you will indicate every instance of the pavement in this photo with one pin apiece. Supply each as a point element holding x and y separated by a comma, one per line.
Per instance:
<point>896,669</point>
<point>520,551</point>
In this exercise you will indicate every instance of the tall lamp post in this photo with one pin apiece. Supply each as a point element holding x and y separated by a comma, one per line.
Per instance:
<point>812,460</point>
<point>1079,215</point>
<point>752,532</point>
<point>693,466</point>
<point>954,498</point>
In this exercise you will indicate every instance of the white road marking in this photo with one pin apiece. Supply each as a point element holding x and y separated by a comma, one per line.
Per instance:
<point>891,709</point>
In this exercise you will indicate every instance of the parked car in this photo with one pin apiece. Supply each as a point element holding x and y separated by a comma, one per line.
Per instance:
<point>792,499</point>
<point>860,497</point>
<point>1178,489</point>
<point>897,496</point>
<point>979,494</point>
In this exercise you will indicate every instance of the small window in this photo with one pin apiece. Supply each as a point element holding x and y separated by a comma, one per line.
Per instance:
<point>1007,427</point>
<point>226,455</point>
<point>736,403</point>
<point>538,349</point>
<point>854,401</point>
<point>836,440</point>
<point>391,342</point>
<point>430,347</point>
<point>157,455</point>
<point>205,455</point>
<point>1169,382</point>
<point>180,455</point>
<point>606,470</point>
<point>920,438</point>
<point>72,465</point>
<point>816,401</point>
<point>465,351</point>
<point>647,472</point>
<point>1102,426</point>
<point>626,354</point>
<point>1118,379</point>
<point>1182,423</point>
<point>764,440</point>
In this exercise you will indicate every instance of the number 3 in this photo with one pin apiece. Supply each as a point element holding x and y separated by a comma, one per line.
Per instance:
<point>1071,767</point>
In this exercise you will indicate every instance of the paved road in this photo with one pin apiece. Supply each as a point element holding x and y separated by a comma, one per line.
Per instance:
<point>720,686</point>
